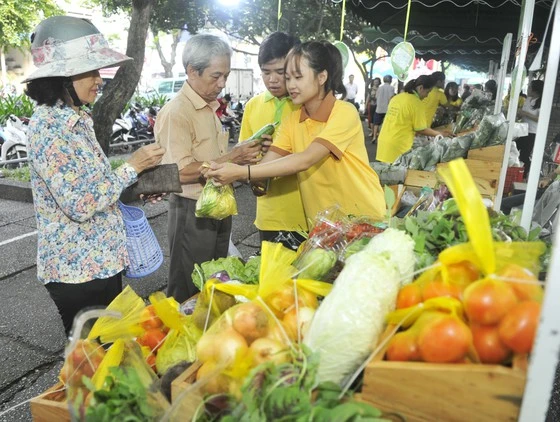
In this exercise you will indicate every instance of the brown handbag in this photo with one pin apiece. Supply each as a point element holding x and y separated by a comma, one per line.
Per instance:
<point>160,179</point>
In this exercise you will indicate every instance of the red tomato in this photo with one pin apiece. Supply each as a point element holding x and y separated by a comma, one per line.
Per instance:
<point>150,319</point>
<point>523,282</point>
<point>463,273</point>
<point>488,345</point>
<point>487,301</point>
<point>445,339</point>
<point>152,338</point>
<point>409,295</point>
<point>438,288</point>
<point>403,347</point>
<point>518,328</point>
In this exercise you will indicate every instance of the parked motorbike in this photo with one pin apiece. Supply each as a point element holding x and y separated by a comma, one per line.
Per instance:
<point>121,134</point>
<point>13,141</point>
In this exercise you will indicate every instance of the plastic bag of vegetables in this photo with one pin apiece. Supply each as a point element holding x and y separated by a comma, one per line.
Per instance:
<point>354,312</point>
<point>487,129</point>
<point>217,202</point>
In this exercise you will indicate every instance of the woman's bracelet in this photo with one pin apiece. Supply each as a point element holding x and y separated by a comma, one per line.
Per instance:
<point>248,173</point>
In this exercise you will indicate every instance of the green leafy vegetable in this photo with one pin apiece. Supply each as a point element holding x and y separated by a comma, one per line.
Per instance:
<point>232,265</point>
<point>217,202</point>
<point>124,398</point>
<point>316,263</point>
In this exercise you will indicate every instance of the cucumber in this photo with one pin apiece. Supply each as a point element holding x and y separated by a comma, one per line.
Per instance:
<point>265,130</point>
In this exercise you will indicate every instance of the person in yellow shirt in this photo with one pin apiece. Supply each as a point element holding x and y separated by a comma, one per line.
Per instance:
<point>435,98</point>
<point>323,142</point>
<point>405,117</point>
<point>452,95</point>
<point>280,212</point>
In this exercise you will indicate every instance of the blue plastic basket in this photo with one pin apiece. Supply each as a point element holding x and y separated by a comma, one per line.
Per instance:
<point>144,252</point>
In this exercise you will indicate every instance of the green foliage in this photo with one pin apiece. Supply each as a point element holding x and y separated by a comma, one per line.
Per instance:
<point>124,398</point>
<point>148,100</point>
<point>18,18</point>
<point>290,392</point>
<point>18,105</point>
<point>20,174</point>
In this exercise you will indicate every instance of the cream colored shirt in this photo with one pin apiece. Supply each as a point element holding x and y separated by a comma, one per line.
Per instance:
<point>190,131</point>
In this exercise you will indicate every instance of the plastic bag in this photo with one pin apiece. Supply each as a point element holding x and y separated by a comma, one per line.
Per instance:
<point>211,303</point>
<point>217,202</point>
<point>487,130</point>
<point>457,147</point>
<point>128,389</point>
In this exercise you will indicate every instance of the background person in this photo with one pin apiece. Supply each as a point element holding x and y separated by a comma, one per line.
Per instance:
<point>435,98</point>
<point>529,114</point>
<point>371,102</point>
<point>352,91</point>
<point>384,95</point>
<point>323,142</point>
<point>405,118</point>
<point>466,92</point>
<point>452,94</point>
<point>491,87</point>
<point>191,132</point>
<point>280,211</point>
<point>81,245</point>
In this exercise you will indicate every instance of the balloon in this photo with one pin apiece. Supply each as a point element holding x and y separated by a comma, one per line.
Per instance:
<point>402,58</point>
<point>344,52</point>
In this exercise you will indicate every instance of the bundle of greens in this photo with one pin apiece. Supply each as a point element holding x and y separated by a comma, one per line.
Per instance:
<point>287,392</point>
<point>230,268</point>
<point>433,231</point>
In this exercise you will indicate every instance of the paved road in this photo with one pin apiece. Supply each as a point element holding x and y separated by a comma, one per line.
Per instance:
<point>31,335</point>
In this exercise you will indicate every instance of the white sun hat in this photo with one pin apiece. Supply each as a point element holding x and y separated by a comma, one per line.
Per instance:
<point>68,46</point>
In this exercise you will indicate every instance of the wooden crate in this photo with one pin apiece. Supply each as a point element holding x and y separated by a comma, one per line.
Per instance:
<point>495,153</point>
<point>51,406</point>
<point>183,381</point>
<point>426,392</point>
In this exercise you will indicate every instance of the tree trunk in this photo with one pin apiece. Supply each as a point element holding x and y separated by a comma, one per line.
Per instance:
<point>121,88</point>
<point>167,66</point>
<point>4,70</point>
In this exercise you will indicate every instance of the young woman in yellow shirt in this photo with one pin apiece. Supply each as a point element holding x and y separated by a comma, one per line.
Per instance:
<point>323,142</point>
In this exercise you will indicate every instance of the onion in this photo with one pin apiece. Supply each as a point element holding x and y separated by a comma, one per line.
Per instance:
<point>230,344</point>
<point>292,320</point>
<point>212,381</point>
<point>266,349</point>
<point>206,347</point>
<point>250,321</point>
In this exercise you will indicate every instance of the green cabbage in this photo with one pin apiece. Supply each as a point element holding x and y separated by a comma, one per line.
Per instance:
<point>232,265</point>
<point>346,327</point>
<point>217,202</point>
<point>315,263</point>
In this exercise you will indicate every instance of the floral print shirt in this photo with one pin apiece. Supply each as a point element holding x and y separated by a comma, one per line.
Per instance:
<point>81,235</point>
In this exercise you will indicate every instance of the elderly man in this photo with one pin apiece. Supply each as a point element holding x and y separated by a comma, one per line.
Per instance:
<point>191,132</point>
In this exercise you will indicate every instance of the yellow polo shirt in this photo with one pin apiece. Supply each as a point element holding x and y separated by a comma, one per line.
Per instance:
<point>281,208</point>
<point>456,103</point>
<point>435,98</point>
<point>405,115</point>
<point>344,177</point>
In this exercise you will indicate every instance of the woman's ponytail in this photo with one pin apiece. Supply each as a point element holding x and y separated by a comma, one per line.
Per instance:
<point>335,81</point>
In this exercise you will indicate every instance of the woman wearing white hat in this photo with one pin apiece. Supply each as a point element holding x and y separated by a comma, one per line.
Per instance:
<point>81,235</point>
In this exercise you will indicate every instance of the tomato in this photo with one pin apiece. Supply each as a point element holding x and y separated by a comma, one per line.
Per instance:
<point>149,318</point>
<point>403,347</point>
<point>487,301</point>
<point>523,282</point>
<point>462,273</point>
<point>437,288</point>
<point>518,328</point>
<point>444,339</point>
<point>488,345</point>
<point>152,338</point>
<point>357,229</point>
<point>409,295</point>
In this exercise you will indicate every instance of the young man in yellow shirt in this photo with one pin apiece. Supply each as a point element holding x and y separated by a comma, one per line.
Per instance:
<point>280,214</point>
<point>435,98</point>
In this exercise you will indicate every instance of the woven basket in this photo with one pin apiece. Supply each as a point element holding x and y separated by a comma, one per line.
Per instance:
<point>144,252</point>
